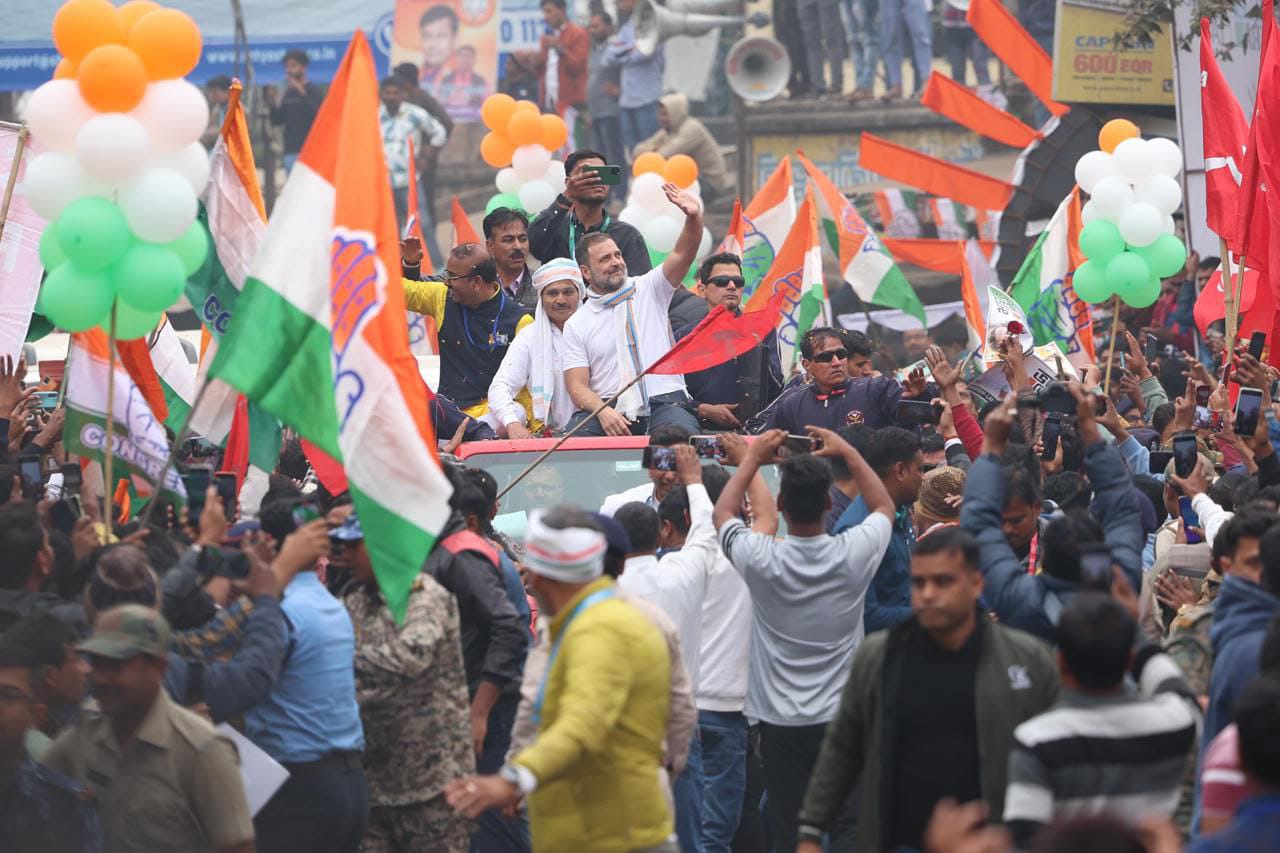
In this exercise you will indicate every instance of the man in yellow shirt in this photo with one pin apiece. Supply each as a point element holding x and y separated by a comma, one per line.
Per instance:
<point>591,776</point>
<point>476,319</point>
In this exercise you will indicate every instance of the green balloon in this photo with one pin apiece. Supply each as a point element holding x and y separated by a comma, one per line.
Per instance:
<point>93,233</point>
<point>192,248</point>
<point>1090,282</point>
<point>51,254</point>
<point>76,299</point>
<point>1125,271</point>
<point>132,323</point>
<point>502,200</point>
<point>1101,241</point>
<point>149,277</point>
<point>655,257</point>
<point>1144,294</point>
<point>1165,256</point>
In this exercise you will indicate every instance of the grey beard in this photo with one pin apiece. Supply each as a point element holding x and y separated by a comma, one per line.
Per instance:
<point>603,284</point>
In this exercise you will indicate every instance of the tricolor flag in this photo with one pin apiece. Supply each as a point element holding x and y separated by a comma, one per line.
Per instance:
<point>797,274</point>
<point>1225,135</point>
<point>766,223</point>
<point>319,338</point>
<point>139,444</point>
<point>236,218</point>
<point>864,262</point>
<point>733,238</point>
<point>177,375</point>
<point>1042,286</point>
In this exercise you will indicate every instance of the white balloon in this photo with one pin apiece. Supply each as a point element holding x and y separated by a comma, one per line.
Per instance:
<point>1168,226</point>
<point>661,233</point>
<point>54,180</point>
<point>1165,155</point>
<point>1132,160</point>
<point>174,112</point>
<point>1140,224</point>
<point>695,189</point>
<point>704,246</point>
<point>160,205</point>
<point>1088,213</point>
<point>555,175</point>
<point>1092,168</point>
<point>632,215</point>
<point>536,195</point>
<point>55,114</point>
<point>530,162</point>
<point>113,148</point>
<point>508,181</point>
<point>1111,197</point>
<point>1160,191</point>
<point>192,163</point>
<point>646,193</point>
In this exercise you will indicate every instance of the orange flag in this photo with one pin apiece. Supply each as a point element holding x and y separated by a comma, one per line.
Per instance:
<point>412,225</point>
<point>1009,40</point>
<point>934,176</point>
<point>733,239</point>
<point>135,355</point>
<point>463,231</point>
<point>948,98</point>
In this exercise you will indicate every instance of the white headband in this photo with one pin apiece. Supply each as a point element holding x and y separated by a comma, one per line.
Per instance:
<point>571,555</point>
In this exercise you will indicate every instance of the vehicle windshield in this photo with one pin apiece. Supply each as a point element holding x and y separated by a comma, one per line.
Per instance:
<point>581,477</point>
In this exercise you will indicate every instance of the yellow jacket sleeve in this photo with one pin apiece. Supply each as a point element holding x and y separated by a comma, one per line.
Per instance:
<point>526,320</point>
<point>426,297</point>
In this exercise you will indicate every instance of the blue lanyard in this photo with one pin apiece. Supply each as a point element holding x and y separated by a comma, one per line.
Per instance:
<point>590,601</point>
<point>573,235</point>
<point>493,331</point>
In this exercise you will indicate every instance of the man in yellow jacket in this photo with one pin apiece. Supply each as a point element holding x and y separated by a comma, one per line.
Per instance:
<point>591,776</point>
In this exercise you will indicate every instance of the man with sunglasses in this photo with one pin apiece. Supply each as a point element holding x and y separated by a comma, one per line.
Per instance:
<point>477,319</point>
<point>729,393</point>
<point>832,399</point>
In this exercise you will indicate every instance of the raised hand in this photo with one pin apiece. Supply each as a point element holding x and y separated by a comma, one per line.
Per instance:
<point>684,200</point>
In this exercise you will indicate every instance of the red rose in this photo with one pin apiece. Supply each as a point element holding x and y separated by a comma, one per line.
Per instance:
<point>1015,328</point>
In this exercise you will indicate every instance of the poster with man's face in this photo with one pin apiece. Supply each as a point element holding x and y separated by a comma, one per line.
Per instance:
<point>454,43</point>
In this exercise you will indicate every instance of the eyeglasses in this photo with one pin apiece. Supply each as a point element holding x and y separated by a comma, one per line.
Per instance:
<point>449,278</point>
<point>726,280</point>
<point>831,355</point>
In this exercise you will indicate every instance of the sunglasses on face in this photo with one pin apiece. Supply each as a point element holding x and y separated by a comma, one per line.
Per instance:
<point>726,280</point>
<point>831,355</point>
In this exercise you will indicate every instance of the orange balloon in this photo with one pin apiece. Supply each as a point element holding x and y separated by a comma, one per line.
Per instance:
<point>554,132</point>
<point>527,107</point>
<point>81,25</point>
<point>66,70</point>
<point>524,128</point>
<point>1116,131</point>
<point>496,111</point>
<point>112,79</point>
<point>649,161</point>
<point>681,170</point>
<point>168,43</point>
<point>132,11</point>
<point>496,150</point>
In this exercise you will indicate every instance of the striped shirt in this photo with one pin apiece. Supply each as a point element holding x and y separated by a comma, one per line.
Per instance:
<point>1122,753</point>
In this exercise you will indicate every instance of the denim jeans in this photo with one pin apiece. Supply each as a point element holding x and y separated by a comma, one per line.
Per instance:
<point>790,754</point>
<point>638,123</point>
<point>495,833</point>
<point>911,14</point>
<point>687,793</point>
<point>674,409</point>
<point>724,776</point>
<point>326,812</point>
<point>824,42</point>
<point>864,45</point>
<point>400,197</point>
<point>963,44</point>
<point>1039,113</point>
<point>606,133</point>
<point>289,160</point>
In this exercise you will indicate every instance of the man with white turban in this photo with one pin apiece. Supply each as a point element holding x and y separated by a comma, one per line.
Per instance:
<point>533,360</point>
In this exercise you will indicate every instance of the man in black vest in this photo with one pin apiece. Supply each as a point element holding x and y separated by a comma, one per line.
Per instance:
<point>477,320</point>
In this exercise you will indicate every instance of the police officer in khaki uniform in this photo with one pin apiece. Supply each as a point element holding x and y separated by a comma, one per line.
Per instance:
<point>164,779</point>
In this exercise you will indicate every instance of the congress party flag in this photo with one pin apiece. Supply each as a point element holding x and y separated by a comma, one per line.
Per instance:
<point>796,274</point>
<point>733,238</point>
<point>766,223</point>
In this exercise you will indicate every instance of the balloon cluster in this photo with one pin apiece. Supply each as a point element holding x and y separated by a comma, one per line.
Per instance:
<point>1128,234</point>
<point>520,144</point>
<point>658,220</point>
<point>123,165</point>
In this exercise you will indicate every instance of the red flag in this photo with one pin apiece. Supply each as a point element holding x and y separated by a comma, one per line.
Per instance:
<point>1256,307</point>
<point>412,225</point>
<point>328,470</point>
<point>463,231</point>
<point>235,455</point>
<point>1254,215</point>
<point>719,337</point>
<point>1225,133</point>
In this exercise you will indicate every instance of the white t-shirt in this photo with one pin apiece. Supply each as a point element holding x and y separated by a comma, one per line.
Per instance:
<point>807,596</point>
<point>515,373</point>
<point>642,493</point>
<point>726,640</point>
<point>590,336</point>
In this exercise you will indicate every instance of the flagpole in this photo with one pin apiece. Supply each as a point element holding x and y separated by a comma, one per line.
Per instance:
<point>11,182</point>
<point>1238,289</point>
<point>173,452</point>
<point>553,448</point>
<point>1111,347</point>
<point>1229,303</point>
<point>109,452</point>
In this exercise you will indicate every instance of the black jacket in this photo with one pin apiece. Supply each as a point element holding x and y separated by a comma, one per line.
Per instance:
<point>549,238</point>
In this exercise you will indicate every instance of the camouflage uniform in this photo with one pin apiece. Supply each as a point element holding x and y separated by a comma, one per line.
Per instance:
<point>412,691</point>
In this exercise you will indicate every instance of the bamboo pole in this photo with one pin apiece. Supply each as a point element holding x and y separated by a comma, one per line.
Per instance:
<point>108,451</point>
<point>173,453</point>
<point>1230,303</point>
<point>1111,347</point>
<point>12,181</point>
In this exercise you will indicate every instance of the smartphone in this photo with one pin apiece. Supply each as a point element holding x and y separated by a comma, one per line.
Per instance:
<point>65,513</point>
<point>32,474</point>
<point>1123,363</point>
<point>1248,409</point>
<point>1052,430</point>
<point>1185,454</point>
<point>707,446</point>
<point>610,176</point>
<point>1202,395</point>
<point>916,413</point>
<point>226,484</point>
<point>659,458</point>
<point>48,399</point>
<point>1057,398</point>
<point>72,479</point>
<point>1160,460</point>
<point>801,444</point>
<point>1095,568</point>
<point>1257,341</point>
<point>196,482</point>
<point>1099,406</point>
<point>305,511</point>
<point>1150,347</point>
<point>231,563</point>
<point>1190,521</point>
<point>1208,419</point>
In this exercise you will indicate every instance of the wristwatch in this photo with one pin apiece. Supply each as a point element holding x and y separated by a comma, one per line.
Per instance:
<point>522,777</point>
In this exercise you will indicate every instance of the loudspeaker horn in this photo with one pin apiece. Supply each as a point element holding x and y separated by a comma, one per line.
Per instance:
<point>655,23</point>
<point>757,68</point>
